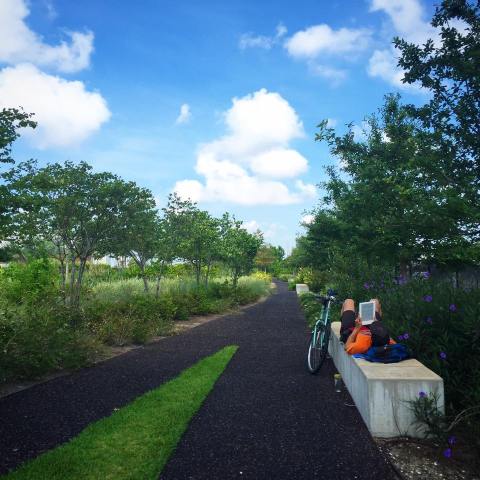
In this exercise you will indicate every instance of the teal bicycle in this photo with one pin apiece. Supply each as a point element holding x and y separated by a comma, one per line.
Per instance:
<point>318,346</point>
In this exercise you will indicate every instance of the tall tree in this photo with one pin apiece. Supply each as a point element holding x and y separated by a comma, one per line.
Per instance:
<point>238,247</point>
<point>449,68</point>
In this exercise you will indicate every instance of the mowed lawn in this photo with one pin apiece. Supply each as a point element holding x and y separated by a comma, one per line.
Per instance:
<point>136,441</point>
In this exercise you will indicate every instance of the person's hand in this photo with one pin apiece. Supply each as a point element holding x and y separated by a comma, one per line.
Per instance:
<point>358,322</point>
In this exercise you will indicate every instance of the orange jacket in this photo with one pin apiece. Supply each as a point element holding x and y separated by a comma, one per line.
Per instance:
<point>363,342</point>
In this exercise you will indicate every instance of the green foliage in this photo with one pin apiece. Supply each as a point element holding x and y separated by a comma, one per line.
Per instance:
<point>134,319</point>
<point>312,308</point>
<point>11,120</point>
<point>442,323</point>
<point>33,283</point>
<point>315,279</point>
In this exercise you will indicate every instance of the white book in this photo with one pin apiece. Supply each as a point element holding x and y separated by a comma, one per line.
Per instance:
<point>367,312</point>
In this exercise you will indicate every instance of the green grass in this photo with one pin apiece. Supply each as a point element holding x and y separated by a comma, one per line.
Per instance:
<point>136,441</point>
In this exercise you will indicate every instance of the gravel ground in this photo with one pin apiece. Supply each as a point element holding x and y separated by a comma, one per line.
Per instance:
<point>266,417</point>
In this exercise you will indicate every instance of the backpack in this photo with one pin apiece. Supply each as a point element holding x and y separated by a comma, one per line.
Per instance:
<point>380,335</point>
<point>386,354</point>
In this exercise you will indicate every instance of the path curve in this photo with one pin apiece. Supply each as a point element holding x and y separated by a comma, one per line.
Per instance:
<point>267,418</point>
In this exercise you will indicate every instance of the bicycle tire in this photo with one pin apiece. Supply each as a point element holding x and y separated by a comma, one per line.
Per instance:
<point>318,352</point>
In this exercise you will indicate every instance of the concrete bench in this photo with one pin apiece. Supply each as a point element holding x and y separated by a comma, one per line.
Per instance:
<point>381,391</point>
<point>301,288</point>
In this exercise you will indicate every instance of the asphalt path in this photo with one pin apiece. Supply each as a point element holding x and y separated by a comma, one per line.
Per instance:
<point>267,417</point>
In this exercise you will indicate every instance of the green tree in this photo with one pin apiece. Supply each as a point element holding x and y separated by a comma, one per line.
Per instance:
<point>238,247</point>
<point>88,213</point>
<point>198,234</point>
<point>449,68</point>
<point>139,236</point>
<point>11,121</point>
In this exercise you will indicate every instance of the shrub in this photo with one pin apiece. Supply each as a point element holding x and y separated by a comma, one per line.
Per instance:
<point>31,283</point>
<point>131,319</point>
<point>41,339</point>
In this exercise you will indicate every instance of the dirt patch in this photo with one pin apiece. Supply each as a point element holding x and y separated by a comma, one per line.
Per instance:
<point>420,460</point>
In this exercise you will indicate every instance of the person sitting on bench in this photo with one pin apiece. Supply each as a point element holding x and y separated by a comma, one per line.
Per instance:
<point>359,338</point>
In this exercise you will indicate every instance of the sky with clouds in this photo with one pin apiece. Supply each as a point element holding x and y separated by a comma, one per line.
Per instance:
<point>216,100</point>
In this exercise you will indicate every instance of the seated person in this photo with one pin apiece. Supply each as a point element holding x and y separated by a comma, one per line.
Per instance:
<point>359,338</point>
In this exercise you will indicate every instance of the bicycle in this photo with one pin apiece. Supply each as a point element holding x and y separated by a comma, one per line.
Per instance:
<point>318,346</point>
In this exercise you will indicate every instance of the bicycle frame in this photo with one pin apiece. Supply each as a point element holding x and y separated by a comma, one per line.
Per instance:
<point>324,317</point>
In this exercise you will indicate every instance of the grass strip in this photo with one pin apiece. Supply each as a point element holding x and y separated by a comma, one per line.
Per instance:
<point>136,441</point>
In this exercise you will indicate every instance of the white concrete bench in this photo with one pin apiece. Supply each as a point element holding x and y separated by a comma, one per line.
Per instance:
<point>381,391</point>
<point>301,288</point>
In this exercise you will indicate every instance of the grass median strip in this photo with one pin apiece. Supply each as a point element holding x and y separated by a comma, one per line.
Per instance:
<point>136,441</point>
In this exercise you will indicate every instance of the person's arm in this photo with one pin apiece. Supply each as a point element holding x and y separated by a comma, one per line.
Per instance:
<point>353,336</point>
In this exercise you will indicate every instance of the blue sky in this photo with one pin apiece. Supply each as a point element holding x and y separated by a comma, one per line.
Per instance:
<point>217,100</point>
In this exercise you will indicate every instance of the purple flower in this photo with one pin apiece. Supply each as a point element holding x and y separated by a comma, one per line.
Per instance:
<point>452,307</point>
<point>400,338</point>
<point>427,298</point>
<point>429,320</point>
<point>452,440</point>
<point>447,453</point>
<point>443,355</point>
<point>366,286</point>
<point>426,274</point>
<point>406,336</point>
<point>422,394</point>
<point>401,280</point>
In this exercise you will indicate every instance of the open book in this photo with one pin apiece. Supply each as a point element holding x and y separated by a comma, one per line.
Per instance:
<point>367,312</point>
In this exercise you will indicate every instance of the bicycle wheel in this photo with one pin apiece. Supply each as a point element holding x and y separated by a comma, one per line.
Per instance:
<point>318,348</point>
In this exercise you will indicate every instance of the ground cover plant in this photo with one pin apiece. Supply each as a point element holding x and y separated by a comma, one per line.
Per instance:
<point>137,440</point>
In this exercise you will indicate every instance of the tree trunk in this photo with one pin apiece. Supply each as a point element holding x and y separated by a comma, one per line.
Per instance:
<point>198,269</point>
<point>207,274</point>
<point>157,290</point>
<point>78,286</point>
<point>72,280</point>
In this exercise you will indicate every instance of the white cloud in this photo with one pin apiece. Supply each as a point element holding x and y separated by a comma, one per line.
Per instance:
<point>242,166</point>
<point>322,39</point>
<point>406,17</point>
<point>383,64</point>
<point>307,219</point>
<point>184,115</point>
<point>334,75</point>
<point>251,226</point>
<point>249,40</point>
<point>20,44</point>
<point>331,122</point>
<point>65,111</point>
<point>407,21</point>
<point>279,163</point>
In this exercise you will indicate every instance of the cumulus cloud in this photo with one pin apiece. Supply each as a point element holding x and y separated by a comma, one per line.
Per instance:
<point>406,19</point>
<point>65,111</point>
<point>249,40</point>
<point>19,44</point>
<point>184,115</point>
<point>322,39</point>
<point>244,166</point>
<point>334,75</point>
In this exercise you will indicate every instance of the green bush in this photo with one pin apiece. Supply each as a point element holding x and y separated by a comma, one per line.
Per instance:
<point>36,281</point>
<point>34,341</point>
<point>132,319</point>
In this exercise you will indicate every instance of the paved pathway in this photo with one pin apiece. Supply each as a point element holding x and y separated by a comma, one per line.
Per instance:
<point>267,418</point>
